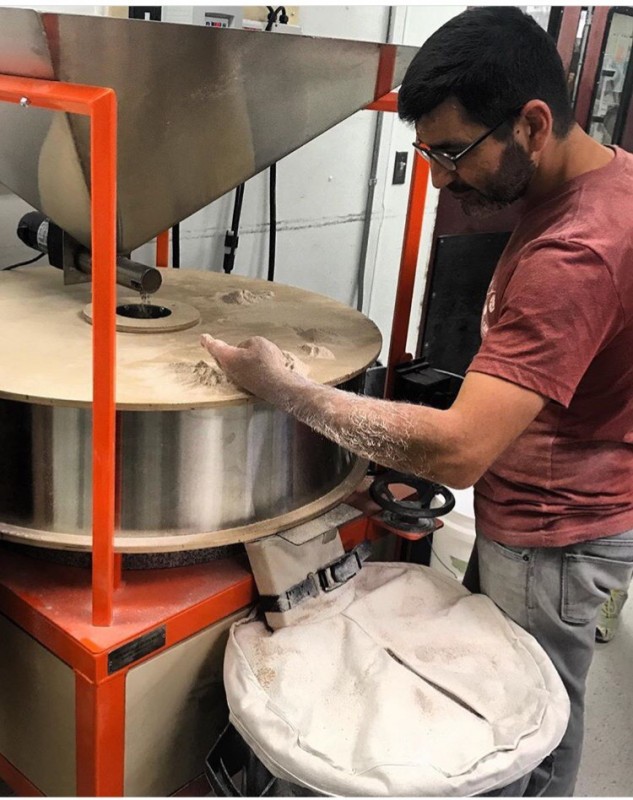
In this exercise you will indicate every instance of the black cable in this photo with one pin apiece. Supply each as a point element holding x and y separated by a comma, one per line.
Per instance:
<point>23,263</point>
<point>232,238</point>
<point>272,186</point>
<point>237,211</point>
<point>272,17</point>
<point>175,246</point>
<point>272,234</point>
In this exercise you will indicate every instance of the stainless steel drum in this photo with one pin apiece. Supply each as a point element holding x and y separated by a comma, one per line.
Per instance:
<point>199,462</point>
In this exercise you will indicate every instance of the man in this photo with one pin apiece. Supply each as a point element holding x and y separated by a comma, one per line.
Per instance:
<point>543,424</point>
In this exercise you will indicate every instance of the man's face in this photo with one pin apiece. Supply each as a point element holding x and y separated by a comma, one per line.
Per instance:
<point>490,177</point>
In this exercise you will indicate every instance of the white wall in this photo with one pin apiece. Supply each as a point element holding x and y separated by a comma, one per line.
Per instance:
<point>414,24</point>
<point>321,192</point>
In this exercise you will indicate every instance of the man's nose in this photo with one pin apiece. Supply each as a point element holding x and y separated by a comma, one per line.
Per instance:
<point>440,177</point>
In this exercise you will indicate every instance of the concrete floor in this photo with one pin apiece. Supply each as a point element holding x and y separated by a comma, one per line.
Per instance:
<point>607,765</point>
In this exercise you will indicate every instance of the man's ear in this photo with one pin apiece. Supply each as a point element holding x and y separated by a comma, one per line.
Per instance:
<point>537,122</point>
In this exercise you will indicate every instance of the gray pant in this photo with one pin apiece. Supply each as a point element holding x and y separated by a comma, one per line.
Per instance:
<point>555,594</point>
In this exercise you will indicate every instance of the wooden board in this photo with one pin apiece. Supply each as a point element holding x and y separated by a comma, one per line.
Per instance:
<point>46,342</point>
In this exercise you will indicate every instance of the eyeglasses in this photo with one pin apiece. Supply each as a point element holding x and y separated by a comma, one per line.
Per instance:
<point>449,162</point>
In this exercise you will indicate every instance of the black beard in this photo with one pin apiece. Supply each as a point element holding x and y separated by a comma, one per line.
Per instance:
<point>505,187</point>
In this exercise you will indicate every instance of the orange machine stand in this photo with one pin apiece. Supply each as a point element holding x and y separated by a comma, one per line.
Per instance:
<point>69,612</point>
<point>155,610</point>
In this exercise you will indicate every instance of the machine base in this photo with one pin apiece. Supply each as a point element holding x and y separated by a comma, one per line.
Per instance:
<point>129,709</point>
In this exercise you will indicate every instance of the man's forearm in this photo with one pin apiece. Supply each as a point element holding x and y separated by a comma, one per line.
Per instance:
<point>405,437</point>
<point>454,447</point>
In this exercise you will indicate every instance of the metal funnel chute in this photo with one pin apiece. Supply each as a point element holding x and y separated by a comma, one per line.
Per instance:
<point>200,110</point>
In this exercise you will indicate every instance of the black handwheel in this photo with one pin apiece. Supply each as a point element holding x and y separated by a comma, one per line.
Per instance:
<point>417,508</point>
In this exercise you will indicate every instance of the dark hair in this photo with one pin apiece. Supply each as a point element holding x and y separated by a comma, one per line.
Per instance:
<point>492,60</point>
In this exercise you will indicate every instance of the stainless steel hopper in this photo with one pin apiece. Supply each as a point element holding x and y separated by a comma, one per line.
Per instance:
<point>200,110</point>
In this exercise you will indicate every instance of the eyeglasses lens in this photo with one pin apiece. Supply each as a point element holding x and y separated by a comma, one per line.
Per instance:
<point>444,162</point>
<point>435,157</point>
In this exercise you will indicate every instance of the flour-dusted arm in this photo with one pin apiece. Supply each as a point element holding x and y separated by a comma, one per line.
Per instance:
<point>453,447</point>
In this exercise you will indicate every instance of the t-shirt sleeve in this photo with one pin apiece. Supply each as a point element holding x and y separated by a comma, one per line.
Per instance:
<point>559,309</point>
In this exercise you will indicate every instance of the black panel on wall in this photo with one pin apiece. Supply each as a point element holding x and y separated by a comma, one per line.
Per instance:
<point>153,13</point>
<point>463,267</point>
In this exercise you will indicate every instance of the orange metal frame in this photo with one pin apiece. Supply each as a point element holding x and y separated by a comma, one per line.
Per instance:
<point>51,603</point>
<point>410,253</point>
<point>99,104</point>
<point>162,249</point>
<point>71,613</point>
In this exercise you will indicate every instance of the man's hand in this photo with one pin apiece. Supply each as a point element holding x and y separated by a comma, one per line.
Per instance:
<point>257,364</point>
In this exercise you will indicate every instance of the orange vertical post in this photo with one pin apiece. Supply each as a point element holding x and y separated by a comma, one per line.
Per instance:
<point>408,266</point>
<point>103,145</point>
<point>100,733</point>
<point>386,69</point>
<point>410,251</point>
<point>162,249</point>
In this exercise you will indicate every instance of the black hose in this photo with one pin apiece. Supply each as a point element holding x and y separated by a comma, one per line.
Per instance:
<point>272,17</point>
<point>237,211</point>
<point>273,13</point>
<point>272,235</point>
<point>232,238</point>
<point>175,246</point>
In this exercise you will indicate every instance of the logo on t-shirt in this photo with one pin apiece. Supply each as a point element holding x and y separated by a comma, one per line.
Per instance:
<point>488,310</point>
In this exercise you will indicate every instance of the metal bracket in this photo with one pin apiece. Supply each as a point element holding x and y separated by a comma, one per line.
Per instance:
<point>62,253</point>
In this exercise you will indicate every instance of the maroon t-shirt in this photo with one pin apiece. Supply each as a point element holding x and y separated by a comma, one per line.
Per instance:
<point>558,320</point>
